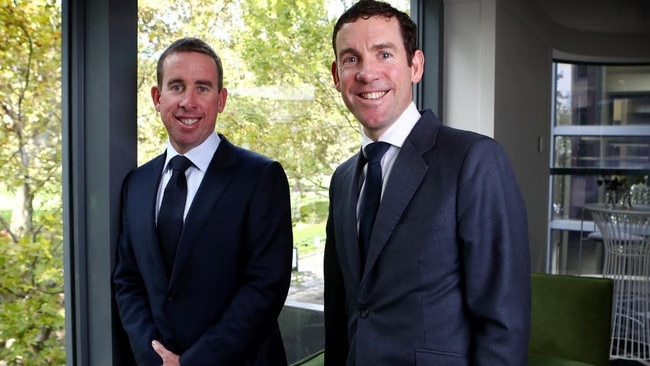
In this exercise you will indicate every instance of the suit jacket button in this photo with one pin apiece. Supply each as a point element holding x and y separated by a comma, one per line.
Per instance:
<point>171,296</point>
<point>363,312</point>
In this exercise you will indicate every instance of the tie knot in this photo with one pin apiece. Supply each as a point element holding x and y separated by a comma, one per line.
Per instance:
<point>375,151</point>
<point>180,162</point>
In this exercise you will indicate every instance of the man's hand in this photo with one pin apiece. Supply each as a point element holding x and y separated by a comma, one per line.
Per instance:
<point>168,357</point>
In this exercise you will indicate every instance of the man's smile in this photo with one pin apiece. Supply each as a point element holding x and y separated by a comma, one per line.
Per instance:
<point>188,121</point>
<point>373,95</point>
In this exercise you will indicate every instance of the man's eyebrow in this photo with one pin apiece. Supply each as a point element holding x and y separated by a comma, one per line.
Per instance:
<point>384,46</point>
<point>347,50</point>
<point>206,82</point>
<point>175,81</point>
<point>376,47</point>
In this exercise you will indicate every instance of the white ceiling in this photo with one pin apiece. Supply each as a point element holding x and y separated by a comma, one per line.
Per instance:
<point>609,16</point>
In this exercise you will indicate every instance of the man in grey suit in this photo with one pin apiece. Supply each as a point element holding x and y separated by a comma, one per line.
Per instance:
<point>212,295</point>
<point>443,275</point>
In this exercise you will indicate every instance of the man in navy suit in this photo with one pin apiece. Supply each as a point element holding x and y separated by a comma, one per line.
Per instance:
<point>445,277</point>
<point>216,301</point>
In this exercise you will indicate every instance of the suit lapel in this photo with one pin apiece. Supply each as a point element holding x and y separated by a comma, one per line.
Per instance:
<point>215,181</point>
<point>408,172</point>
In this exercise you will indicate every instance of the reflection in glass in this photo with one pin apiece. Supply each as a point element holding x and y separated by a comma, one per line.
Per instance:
<point>602,95</point>
<point>621,152</point>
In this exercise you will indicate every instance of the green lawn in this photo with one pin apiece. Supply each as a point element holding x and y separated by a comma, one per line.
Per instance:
<point>306,236</point>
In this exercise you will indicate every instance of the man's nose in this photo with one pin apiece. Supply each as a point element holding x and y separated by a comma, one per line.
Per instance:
<point>188,100</point>
<point>368,71</point>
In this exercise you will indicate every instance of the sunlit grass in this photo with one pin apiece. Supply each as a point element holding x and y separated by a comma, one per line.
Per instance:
<point>309,238</point>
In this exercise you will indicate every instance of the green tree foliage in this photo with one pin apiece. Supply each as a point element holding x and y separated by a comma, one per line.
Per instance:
<point>277,57</point>
<point>31,289</point>
<point>30,104</point>
<point>286,47</point>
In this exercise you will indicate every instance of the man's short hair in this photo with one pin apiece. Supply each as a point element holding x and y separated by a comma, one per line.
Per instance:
<point>367,9</point>
<point>190,44</point>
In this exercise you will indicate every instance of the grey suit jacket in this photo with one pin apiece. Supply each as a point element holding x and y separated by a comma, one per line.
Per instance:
<point>232,269</point>
<point>447,279</point>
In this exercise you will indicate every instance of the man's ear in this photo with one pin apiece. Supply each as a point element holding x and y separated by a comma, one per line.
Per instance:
<point>417,66</point>
<point>335,75</point>
<point>155,97</point>
<point>221,101</point>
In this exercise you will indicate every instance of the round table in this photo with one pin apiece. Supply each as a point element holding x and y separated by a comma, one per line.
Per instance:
<point>626,238</point>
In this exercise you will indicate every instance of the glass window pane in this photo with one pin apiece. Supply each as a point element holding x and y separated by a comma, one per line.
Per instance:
<point>32,317</point>
<point>571,192</point>
<point>602,95</point>
<point>621,152</point>
<point>601,142</point>
<point>576,253</point>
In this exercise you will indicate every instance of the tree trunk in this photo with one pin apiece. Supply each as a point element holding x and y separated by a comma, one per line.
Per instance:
<point>21,216</point>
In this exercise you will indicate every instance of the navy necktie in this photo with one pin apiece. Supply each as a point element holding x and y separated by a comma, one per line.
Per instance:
<point>170,215</point>
<point>371,195</point>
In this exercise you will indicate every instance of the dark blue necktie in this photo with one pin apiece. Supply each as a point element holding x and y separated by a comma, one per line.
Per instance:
<point>371,196</point>
<point>170,215</point>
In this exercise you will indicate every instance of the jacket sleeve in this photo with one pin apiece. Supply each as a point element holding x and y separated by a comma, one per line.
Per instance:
<point>131,295</point>
<point>493,232</point>
<point>336,336</point>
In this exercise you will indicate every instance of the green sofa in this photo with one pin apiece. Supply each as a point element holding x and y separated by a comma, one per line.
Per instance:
<point>571,320</point>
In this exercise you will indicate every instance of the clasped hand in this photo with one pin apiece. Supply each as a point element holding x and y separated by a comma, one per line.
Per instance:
<point>168,357</point>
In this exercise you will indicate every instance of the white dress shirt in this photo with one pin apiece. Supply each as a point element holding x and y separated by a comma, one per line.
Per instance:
<point>395,135</point>
<point>200,157</point>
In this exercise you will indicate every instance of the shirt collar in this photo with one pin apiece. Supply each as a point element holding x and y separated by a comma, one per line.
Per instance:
<point>399,131</point>
<point>200,155</point>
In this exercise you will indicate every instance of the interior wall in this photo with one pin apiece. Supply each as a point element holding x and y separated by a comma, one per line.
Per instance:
<point>468,65</point>
<point>523,86</point>
<point>497,77</point>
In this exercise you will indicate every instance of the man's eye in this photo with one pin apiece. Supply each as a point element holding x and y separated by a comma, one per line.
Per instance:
<point>385,55</point>
<point>349,59</point>
<point>176,88</point>
<point>202,89</point>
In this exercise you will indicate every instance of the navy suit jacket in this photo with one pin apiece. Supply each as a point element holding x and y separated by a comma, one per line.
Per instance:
<point>232,269</point>
<point>447,278</point>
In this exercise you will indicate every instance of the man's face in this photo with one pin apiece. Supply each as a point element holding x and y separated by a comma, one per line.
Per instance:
<point>188,99</point>
<point>372,73</point>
